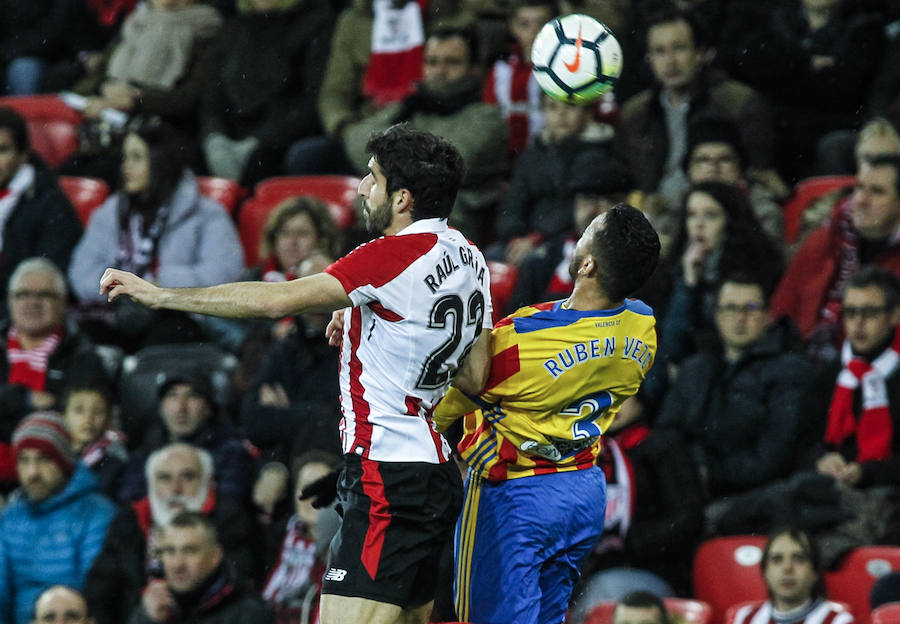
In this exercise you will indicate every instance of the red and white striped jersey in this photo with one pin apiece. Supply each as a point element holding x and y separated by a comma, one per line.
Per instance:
<point>420,298</point>
<point>820,612</point>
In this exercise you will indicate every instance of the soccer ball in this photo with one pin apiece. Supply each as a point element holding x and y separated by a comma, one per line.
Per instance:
<point>576,59</point>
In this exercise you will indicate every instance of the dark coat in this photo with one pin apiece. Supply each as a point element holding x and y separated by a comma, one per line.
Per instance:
<point>222,599</point>
<point>642,139</point>
<point>43,223</point>
<point>264,90</point>
<point>234,461</point>
<point>741,419</point>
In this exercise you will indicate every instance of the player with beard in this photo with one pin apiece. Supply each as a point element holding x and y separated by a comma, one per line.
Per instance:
<point>560,371</point>
<point>412,304</point>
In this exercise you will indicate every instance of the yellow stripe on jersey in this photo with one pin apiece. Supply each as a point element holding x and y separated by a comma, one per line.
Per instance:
<point>467,525</point>
<point>558,377</point>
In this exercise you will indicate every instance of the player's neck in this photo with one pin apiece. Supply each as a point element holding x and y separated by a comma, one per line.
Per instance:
<point>586,297</point>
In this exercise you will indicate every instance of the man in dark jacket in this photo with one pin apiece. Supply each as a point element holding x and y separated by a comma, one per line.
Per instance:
<point>740,407</point>
<point>36,219</point>
<point>199,586</point>
<point>652,133</point>
<point>188,412</point>
<point>40,354</point>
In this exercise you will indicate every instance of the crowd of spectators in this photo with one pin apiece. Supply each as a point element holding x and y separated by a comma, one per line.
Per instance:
<point>775,397</point>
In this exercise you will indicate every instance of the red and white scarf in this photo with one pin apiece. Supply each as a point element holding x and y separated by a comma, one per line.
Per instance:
<point>28,367</point>
<point>511,85</point>
<point>398,51</point>
<point>874,429</point>
<point>298,568</point>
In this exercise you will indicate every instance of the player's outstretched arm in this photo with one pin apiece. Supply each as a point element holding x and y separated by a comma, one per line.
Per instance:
<point>474,372</point>
<point>316,293</point>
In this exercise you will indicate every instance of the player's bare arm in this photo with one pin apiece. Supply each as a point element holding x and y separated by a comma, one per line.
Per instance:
<point>316,293</point>
<point>475,369</point>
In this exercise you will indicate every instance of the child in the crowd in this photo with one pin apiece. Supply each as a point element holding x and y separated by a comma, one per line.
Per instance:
<point>88,412</point>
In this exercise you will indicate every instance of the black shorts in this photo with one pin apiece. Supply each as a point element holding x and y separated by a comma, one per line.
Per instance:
<point>397,516</point>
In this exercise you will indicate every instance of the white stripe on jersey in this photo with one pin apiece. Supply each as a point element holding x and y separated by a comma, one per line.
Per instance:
<point>421,298</point>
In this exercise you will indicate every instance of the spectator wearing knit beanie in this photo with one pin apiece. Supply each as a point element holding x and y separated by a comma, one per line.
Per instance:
<point>54,526</point>
<point>44,457</point>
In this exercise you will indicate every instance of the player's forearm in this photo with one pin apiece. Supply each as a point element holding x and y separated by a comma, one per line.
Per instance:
<point>317,293</point>
<point>236,300</point>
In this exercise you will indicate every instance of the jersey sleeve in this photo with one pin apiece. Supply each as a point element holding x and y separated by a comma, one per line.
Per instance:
<point>372,265</point>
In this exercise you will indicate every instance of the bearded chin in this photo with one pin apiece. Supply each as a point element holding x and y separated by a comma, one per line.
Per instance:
<point>165,511</point>
<point>574,266</point>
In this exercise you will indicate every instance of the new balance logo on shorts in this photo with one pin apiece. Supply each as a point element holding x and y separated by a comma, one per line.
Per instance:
<point>335,574</point>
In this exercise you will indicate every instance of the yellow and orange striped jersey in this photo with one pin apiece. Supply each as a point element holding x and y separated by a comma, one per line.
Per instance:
<point>557,379</point>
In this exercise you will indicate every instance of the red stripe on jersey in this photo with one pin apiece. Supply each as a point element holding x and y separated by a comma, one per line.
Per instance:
<point>378,262</point>
<point>507,454</point>
<point>379,517</point>
<point>503,366</point>
<point>750,615</point>
<point>363,428</point>
<point>383,312</point>
<point>830,617</point>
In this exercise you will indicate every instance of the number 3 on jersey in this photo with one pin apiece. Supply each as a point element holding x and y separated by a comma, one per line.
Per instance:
<point>587,409</point>
<point>448,311</point>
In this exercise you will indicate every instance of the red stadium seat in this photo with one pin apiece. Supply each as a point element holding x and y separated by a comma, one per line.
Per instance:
<point>52,125</point>
<point>225,191</point>
<point>888,613</point>
<point>86,194</point>
<point>805,192</point>
<point>339,192</point>
<point>732,612</point>
<point>726,571</point>
<point>503,281</point>
<point>686,610</point>
<point>854,577</point>
<point>251,221</point>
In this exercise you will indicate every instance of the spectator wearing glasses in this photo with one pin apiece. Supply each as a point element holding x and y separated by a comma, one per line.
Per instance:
<point>40,353</point>
<point>739,405</point>
<point>856,398</point>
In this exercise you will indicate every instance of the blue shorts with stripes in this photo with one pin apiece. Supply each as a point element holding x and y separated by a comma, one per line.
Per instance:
<point>520,544</point>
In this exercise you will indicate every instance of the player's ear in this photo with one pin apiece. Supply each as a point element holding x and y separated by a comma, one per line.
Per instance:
<point>588,266</point>
<point>403,200</point>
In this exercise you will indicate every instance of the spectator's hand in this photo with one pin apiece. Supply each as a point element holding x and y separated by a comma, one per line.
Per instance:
<point>270,488</point>
<point>93,107</point>
<point>273,395</point>
<point>91,61</point>
<point>831,464</point>
<point>518,248</point>
<point>283,328</point>
<point>323,490</point>
<point>157,600</point>
<point>119,95</point>
<point>692,262</point>
<point>334,331</point>
<point>41,400</point>
<point>851,474</point>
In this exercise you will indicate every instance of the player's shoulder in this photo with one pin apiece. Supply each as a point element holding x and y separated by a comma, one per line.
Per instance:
<point>381,260</point>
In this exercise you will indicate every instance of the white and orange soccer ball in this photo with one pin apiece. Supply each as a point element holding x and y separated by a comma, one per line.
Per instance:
<point>576,59</point>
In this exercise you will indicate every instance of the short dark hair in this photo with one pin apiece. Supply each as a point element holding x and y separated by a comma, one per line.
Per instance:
<point>643,599</point>
<point>90,384</point>
<point>429,166</point>
<point>442,33</point>
<point>743,278</point>
<point>809,546</point>
<point>167,156</point>
<point>314,456</point>
<point>195,520</point>
<point>881,278</point>
<point>888,160</point>
<point>13,122</point>
<point>670,14</point>
<point>626,250</point>
<point>553,5</point>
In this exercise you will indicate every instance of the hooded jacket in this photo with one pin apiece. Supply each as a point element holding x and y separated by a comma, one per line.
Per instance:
<point>52,542</point>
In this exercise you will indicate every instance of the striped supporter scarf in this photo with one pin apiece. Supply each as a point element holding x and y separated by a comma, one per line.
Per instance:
<point>398,50</point>
<point>28,367</point>
<point>874,429</point>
